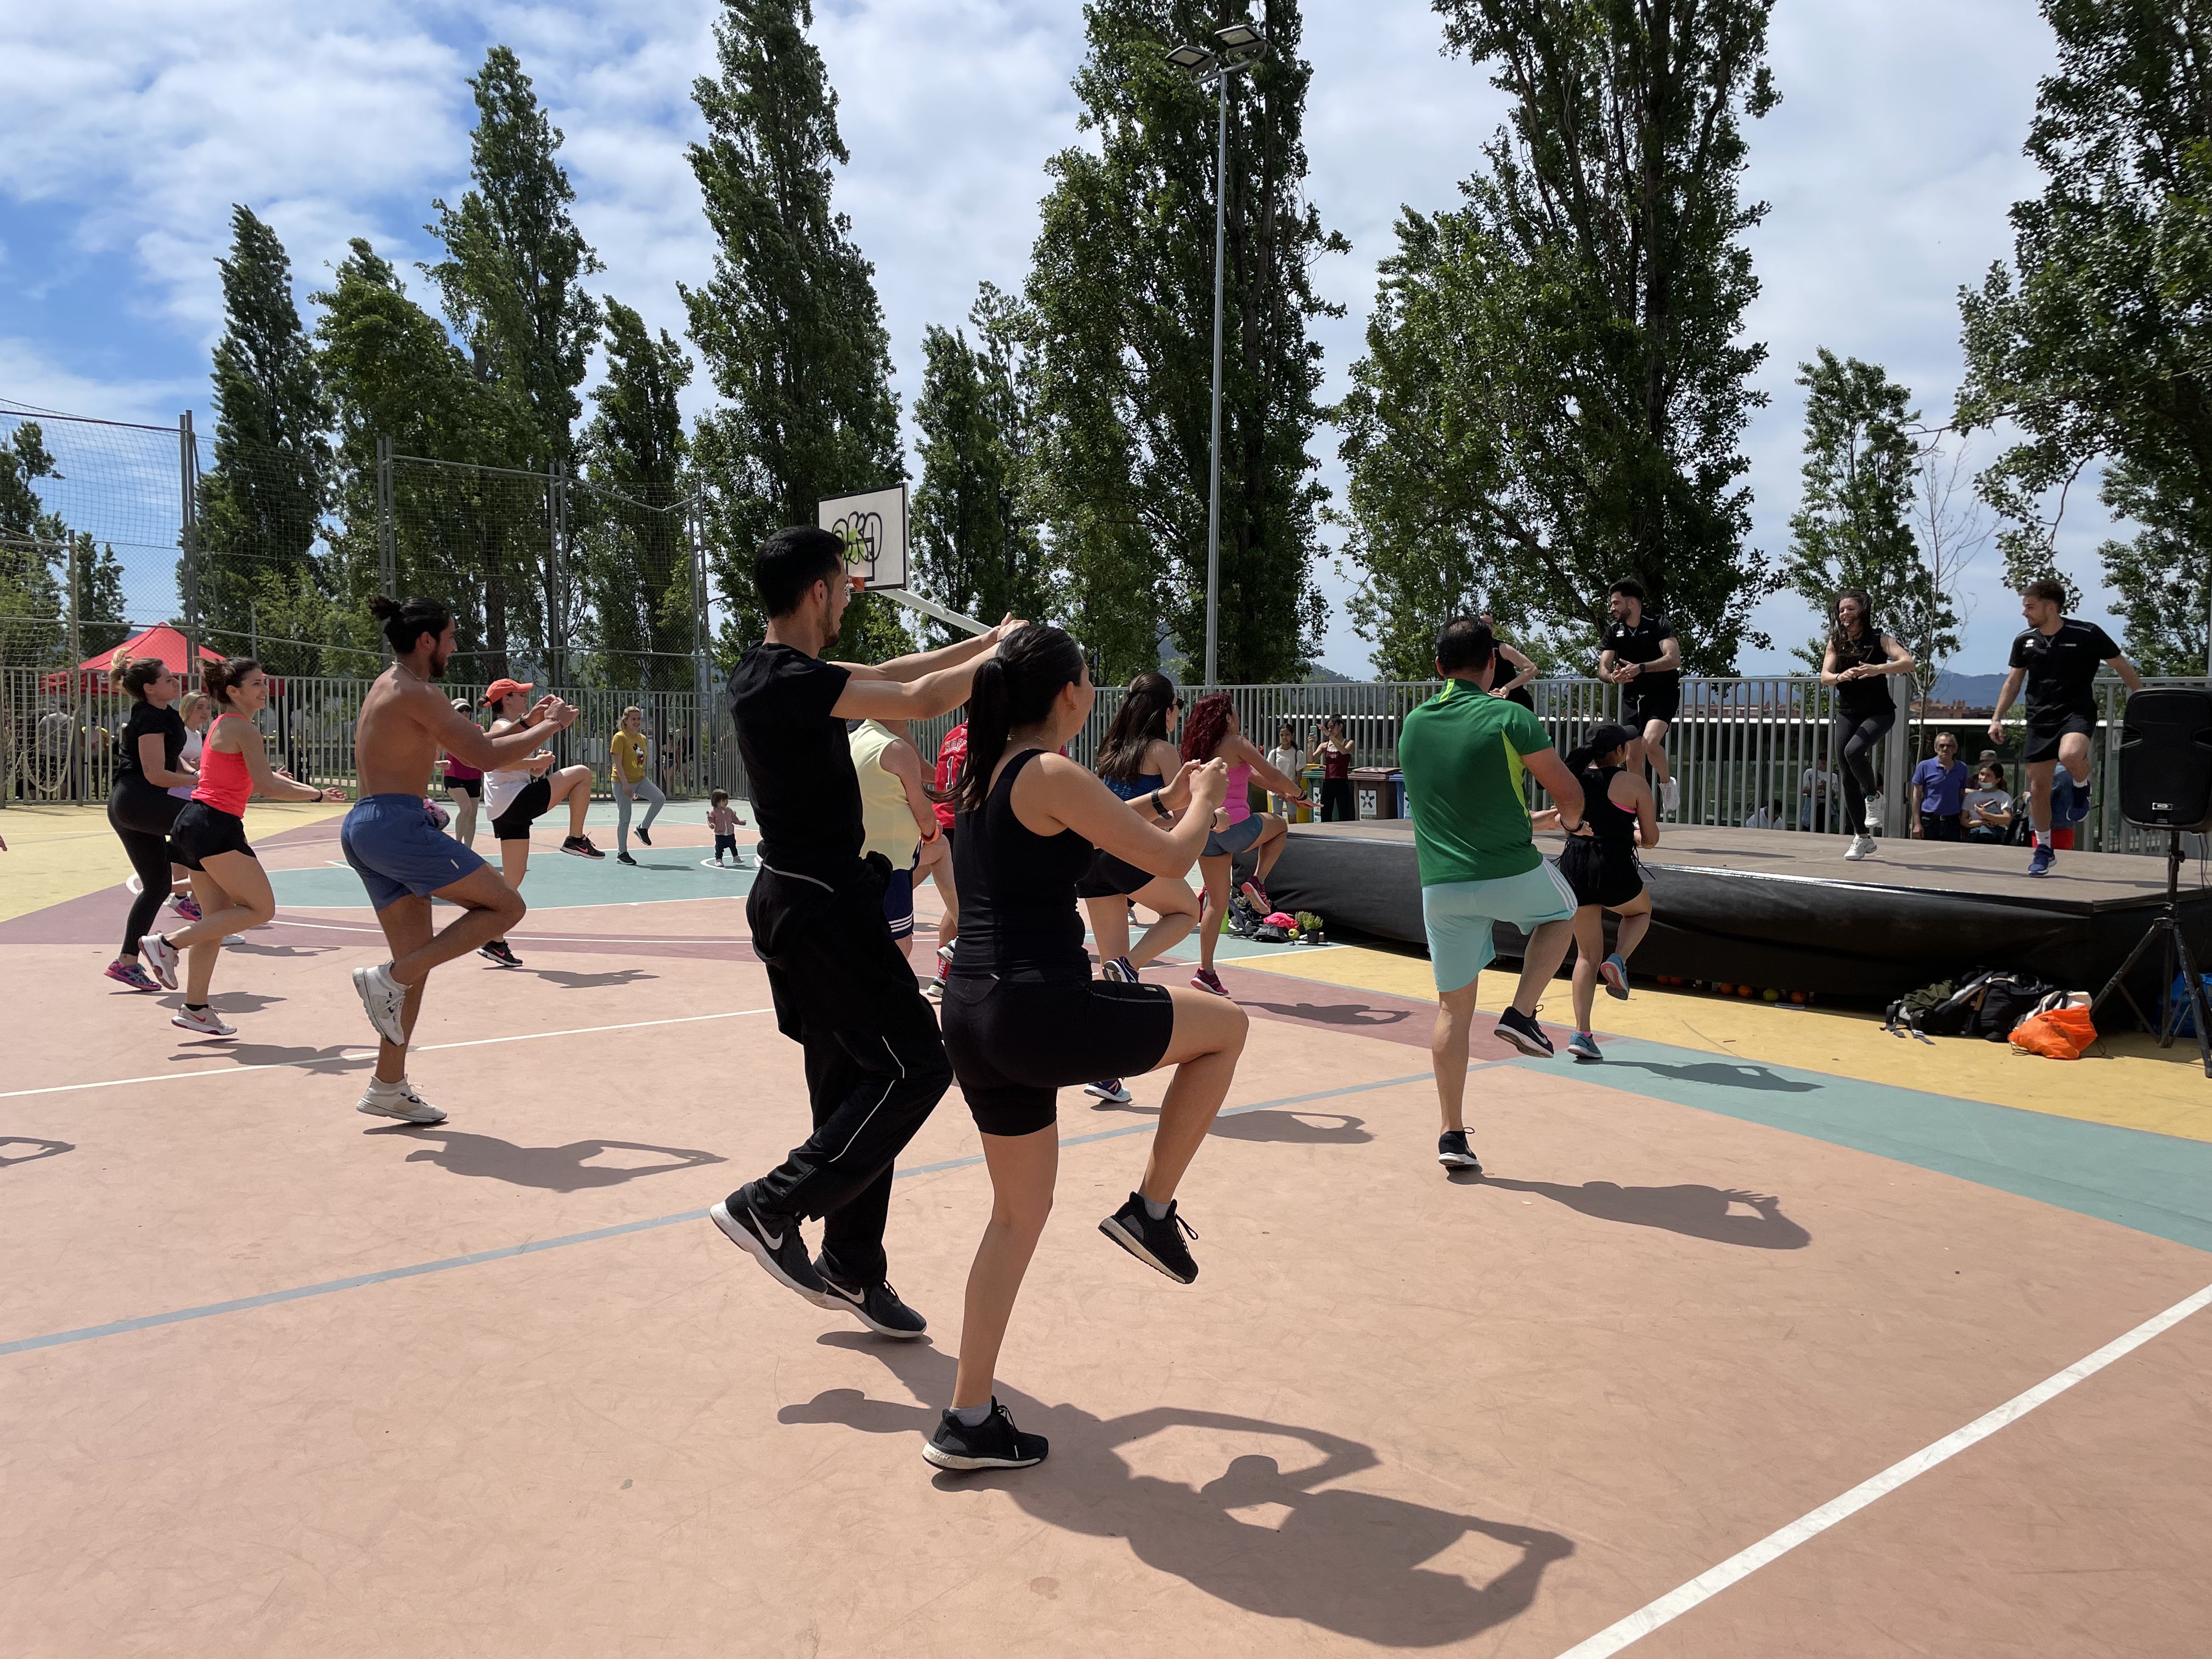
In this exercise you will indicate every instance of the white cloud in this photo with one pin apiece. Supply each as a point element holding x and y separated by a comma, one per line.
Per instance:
<point>1890,165</point>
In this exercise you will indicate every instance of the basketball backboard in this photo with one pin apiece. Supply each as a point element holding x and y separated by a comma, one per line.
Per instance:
<point>872,525</point>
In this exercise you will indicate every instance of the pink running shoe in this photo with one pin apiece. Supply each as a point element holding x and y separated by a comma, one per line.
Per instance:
<point>124,971</point>
<point>1206,980</point>
<point>186,906</point>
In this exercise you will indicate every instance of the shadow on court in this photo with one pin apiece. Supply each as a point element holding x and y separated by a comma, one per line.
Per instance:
<point>550,1168</point>
<point>10,1157</point>
<point>569,980</point>
<point>1341,1560</point>
<point>240,943</point>
<point>1694,1211</point>
<point>1336,1013</point>
<point>1273,1124</point>
<point>1720,1074</point>
<point>329,1061</point>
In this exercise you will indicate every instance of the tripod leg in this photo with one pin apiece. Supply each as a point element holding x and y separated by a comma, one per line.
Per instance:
<point>2119,983</point>
<point>2197,1004</point>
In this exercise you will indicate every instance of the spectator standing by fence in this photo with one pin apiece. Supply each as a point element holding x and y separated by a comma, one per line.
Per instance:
<point>1939,792</point>
<point>1333,753</point>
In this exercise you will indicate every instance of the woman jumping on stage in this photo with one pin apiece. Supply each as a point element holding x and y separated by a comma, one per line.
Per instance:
<point>1213,733</point>
<point>144,803</point>
<point>1024,1018</point>
<point>1600,864</point>
<point>1858,657</point>
<point>209,839</point>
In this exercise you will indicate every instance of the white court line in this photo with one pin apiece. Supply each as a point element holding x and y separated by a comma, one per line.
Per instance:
<point>367,1049</point>
<point>1740,1565</point>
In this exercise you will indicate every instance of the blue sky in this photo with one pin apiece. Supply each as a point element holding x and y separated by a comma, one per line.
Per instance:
<point>1890,165</point>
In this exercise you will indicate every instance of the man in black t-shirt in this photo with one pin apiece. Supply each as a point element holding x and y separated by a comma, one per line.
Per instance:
<point>2057,657</point>
<point>844,991</point>
<point>1642,657</point>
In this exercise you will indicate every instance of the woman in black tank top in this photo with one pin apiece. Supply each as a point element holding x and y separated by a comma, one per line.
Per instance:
<point>1859,659</point>
<point>1600,864</point>
<point>1024,1018</point>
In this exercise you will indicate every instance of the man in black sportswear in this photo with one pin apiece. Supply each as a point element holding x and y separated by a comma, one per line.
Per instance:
<point>843,990</point>
<point>1642,657</point>
<point>2056,656</point>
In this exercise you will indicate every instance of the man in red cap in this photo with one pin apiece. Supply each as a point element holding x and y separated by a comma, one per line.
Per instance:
<point>516,797</point>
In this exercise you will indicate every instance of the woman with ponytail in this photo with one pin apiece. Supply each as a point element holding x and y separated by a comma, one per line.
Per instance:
<point>209,839</point>
<point>148,764</point>
<point>1023,1016</point>
<point>1137,757</point>
<point>1600,865</point>
<point>1213,734</point>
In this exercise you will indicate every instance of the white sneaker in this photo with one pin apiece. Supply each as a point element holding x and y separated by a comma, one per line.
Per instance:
<point>1862,847</point>
<point>204,1023</point>
<point>160,959</point>
<point>1872,813</point>
<point>1673,792</point>
<point>399,1100</point>
<point>385,1000</point>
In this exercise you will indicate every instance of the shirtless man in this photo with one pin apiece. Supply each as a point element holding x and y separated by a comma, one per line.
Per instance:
<point>401,856</point>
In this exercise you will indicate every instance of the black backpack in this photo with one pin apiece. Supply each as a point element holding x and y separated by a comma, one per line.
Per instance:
<point>2007,999</point>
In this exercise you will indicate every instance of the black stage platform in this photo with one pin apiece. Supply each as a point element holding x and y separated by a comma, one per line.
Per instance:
<point>1782,909</point>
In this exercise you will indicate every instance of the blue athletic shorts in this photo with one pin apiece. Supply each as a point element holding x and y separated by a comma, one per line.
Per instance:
<point>1236,839</point>
<point>396,850</point>
<point>898,900</point>
<point>1459,915</point>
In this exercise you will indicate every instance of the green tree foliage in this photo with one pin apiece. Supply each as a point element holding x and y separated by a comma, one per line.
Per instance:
<point>633,543</point>
<point>1556,386</point>
<point>260,505</point>
<point>789,324</point>
<point>1852,528</point>
<point>978,546</point>
<point>511,281</point>
<point>31,599</point>
<point>2094,343</point>
<point>1122,282</point>
<point>392,371</point>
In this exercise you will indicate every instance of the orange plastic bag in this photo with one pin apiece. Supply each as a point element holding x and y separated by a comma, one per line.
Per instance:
<point>2060,1034</point>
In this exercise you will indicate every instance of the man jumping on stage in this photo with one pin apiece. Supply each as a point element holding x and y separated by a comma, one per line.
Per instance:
<point>1644,658</point>
<point>843,990</point>
<point>2058,657</point>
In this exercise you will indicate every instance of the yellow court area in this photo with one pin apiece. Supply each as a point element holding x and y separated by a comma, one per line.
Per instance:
<point>63,851</point>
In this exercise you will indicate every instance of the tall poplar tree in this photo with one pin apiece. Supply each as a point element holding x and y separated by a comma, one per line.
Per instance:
<point>789,324</point>
<point>1556,386</point>
<point>1121,281</point>
<point>978,546</point>
<point>260,504</point>
<point>2093,342</point>
<point>512,284</point>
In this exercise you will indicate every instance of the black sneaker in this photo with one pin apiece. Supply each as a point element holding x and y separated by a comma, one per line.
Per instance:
<point>876,1306</point>
<point>624,858</point>
<point>1453,1153</point>
<point>1523,1033</point>
<point>582,846</point>
<point>1156,1243</point>
<point>498,952</point>
<point>992,1443</point>
<point>644,837</point>
<point>774,1242</point>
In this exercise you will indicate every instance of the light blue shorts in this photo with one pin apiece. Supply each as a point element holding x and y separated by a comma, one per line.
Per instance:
<point>396,850</point>
<point>1459,916</point>
<point>1235,840</point>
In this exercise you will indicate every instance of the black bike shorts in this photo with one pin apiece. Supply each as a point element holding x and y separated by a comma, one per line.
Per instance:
<point>1015,1044</point>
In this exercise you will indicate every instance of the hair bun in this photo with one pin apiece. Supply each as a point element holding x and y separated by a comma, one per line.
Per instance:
<point>381,607</point>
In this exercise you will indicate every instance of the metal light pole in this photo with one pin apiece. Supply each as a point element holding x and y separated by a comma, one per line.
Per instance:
<point>1241,45</point>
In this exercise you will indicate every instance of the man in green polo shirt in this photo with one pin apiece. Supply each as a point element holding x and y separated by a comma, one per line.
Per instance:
<point>1464,753</point>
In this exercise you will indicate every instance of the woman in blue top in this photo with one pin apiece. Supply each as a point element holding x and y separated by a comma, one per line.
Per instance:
<point>1939,791</point>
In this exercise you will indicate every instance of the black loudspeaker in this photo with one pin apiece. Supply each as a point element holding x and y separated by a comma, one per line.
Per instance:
<point>2165,759</point>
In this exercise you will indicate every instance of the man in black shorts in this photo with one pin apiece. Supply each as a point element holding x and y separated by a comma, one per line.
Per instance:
<point>843,990</point>
<point>1642,657</point>
<point>2056,656</point>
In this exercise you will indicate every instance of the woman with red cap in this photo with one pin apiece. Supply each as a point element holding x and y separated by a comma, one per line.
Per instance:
<point>516,797</point>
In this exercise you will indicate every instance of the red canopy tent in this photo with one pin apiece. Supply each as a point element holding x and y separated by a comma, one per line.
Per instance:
<point>163,641</point>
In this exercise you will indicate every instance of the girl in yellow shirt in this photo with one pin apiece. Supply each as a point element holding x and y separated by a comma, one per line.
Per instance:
<point>627,762</point>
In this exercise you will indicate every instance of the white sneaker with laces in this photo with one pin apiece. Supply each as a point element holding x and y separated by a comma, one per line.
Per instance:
<point>385,1000</point>
<point>1862,847</point>
<point>399,1100</point>
<point>1872,813</point>
<point>1673,792</point>
<point>160,959</point>
<point>202,1022</point>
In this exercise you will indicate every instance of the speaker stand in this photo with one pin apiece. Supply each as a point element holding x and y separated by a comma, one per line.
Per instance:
<point>2165,927</point>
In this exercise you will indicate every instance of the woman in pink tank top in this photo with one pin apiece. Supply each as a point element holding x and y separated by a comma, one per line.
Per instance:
<point>209,839</point>
<point>1213,733</point>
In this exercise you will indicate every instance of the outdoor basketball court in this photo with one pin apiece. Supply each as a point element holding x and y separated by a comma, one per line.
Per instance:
<point>280,1380</point>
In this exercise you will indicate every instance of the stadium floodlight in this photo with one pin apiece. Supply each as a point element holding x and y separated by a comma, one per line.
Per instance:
<point>1241,45</point>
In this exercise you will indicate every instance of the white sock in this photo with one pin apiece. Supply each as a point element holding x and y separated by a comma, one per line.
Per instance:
<point>1157,1211</point>
<point>971,1417</point>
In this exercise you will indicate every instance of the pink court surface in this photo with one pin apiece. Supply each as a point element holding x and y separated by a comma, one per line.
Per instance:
<point>1768,1336</point>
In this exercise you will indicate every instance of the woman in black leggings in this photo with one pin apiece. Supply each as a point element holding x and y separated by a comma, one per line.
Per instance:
<point>140,809</point>
<point>1859,658</point>
<point>1024,1018</point>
